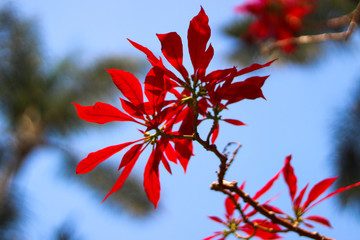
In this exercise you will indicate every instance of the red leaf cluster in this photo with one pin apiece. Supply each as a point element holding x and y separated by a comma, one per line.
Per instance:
<point>276,19</point>
<point>168,106</point>
<point>300,207</point>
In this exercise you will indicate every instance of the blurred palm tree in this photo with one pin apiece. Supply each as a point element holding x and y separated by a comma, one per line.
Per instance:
<point>347,150</point>
<point>35,104</point>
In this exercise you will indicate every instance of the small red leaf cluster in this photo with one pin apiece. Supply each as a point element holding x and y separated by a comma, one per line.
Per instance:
<point>168,105</point>
<point>302,206</point>
<point>275,19</point>
<point>258,227</point>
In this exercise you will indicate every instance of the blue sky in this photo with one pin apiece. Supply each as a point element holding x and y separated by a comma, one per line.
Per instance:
<point>297,118</point>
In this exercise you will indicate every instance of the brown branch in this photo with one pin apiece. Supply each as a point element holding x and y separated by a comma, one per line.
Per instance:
<point>353,20</point>
<point>232,187</point>
<point>212,147</point>
<point>246,219</point>
<point>339,21</point>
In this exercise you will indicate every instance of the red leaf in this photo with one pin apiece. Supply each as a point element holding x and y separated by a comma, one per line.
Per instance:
<point>128,84</point>
<point>172,48</point>
<point>249,229</point>
<point>101,113</point>
<point>254,67</point>
<point>132,109</point>
<point>256,81</point>
<point>242,185</point>
<point>150,56</point>
<point>186,127</point>
<point>264,189</point>
<point>317,190</point>
<point>273,209</point>
<point>215,134</point>
<point>215,235</point>
<point>299,198</point>
<point>123,176</point>
<point>290,177</point>
<point>166,164</point>
<point>170,153</point>
<point>203,106</point>
<point>208,55</point>
<point>129,155</point>
<point>216,219</point>
<point>94,158</point>
<point>198,35</point>
<point>154,88</point>
<point>319,219</point>
<point>155,61</point>
<point>218,75</point>
<point>334,193</point>
<point>240,90</point>
<point>183,149</point>
<point>267,186</point>
<point>230,206</point>
<point>151,179</point>
<point>234,122</point>
<point>308,225</point>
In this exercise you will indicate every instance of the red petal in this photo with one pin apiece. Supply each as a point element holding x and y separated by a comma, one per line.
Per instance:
<point>198,35</point>
<point>128,84</point>
<point>290,177</point>
<point>123,176</point>
<point>234,122</point>
<point>101,113</point>
<point>151,179</point>
<point>319,219</point>
<point>317,190</point>
<point>172,48</point>
<point>215,134</point>
<point>130,155</point>
<point>94,158</point>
